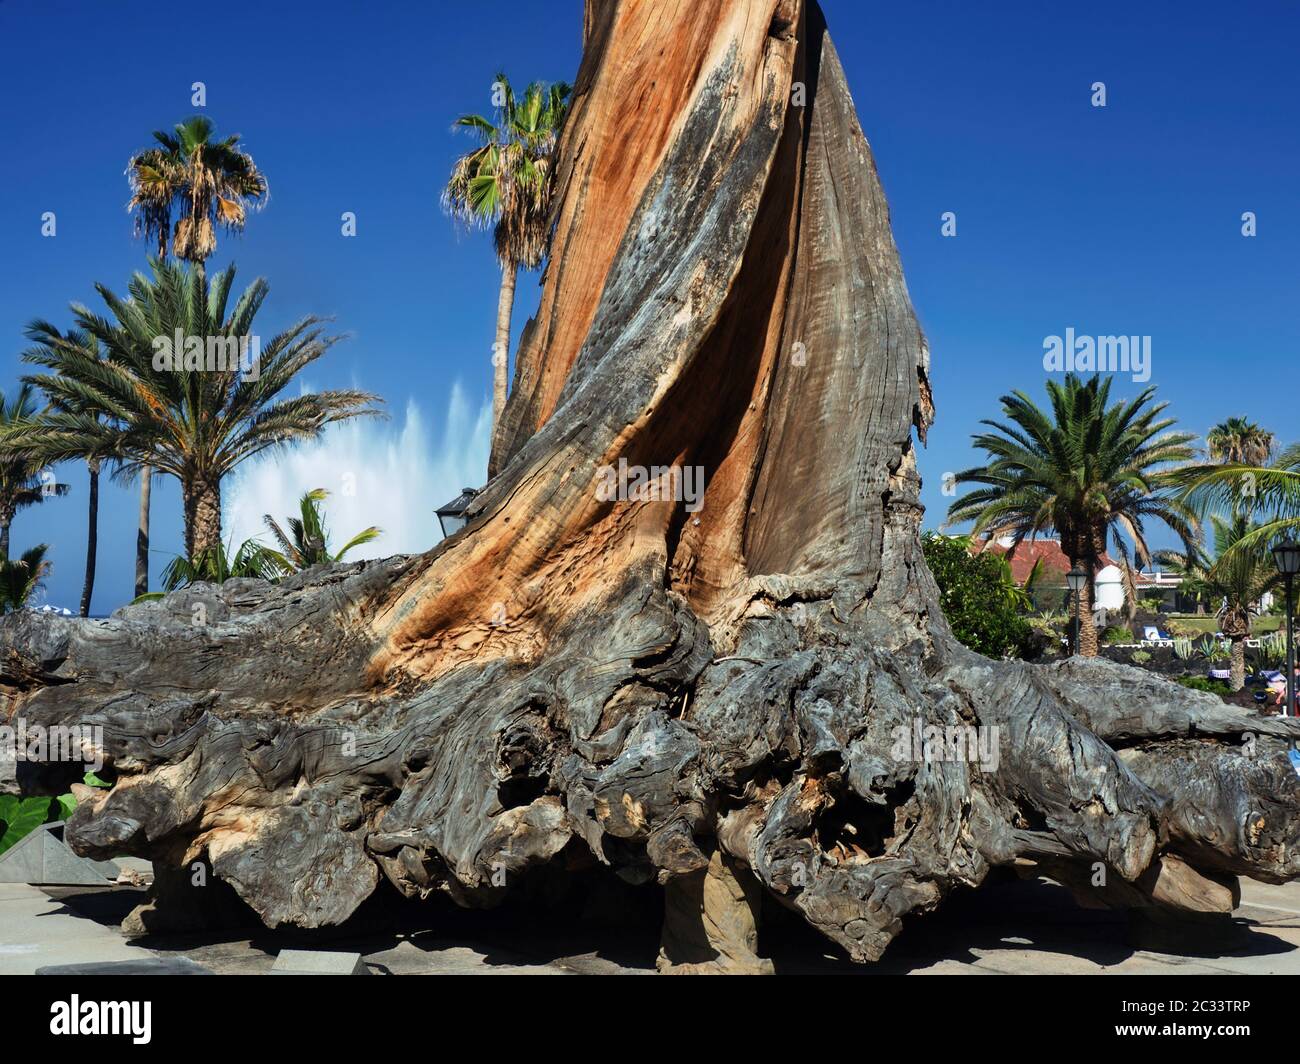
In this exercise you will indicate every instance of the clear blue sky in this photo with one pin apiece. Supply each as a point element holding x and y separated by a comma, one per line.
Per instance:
<point>1115,220</point>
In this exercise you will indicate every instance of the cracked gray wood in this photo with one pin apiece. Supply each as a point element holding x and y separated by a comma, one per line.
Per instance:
<point>637,684</point>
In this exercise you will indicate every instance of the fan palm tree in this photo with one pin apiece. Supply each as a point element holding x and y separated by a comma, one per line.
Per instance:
<point>19,578</point>
<point>1236,440</point>
<point>506,182</point>
<point>1237,579</point>
<point>200,179</point>
<point>206,182</point>
<point>192,420</point>
<point>307,541</point>
<point>1087,469</point>
<point>24,481</point>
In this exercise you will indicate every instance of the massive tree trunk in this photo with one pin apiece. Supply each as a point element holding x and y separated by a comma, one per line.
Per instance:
<point>747,692</point>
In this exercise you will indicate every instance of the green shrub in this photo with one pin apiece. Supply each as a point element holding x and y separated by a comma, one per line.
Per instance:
<point>1140,657</point>
<point>1203,683</point>
<point>979,598</point>
<point>1116,634</point>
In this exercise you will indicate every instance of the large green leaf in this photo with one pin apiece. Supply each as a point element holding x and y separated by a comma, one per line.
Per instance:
<point>21,816</point>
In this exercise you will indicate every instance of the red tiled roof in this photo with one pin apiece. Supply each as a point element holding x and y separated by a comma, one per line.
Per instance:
<point>1054,562</point>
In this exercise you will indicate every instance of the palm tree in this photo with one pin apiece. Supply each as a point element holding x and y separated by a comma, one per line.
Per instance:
<point>142,533</point>
<point>21,480</point>
<point>1236,440</point>
<point>506,182</point>
<point>92,538</point>
<point>1190,568</point>
<point>203,180</point>
<point>1237,580</point>
<point>1089,470</point>
<point>218,563</point>
<point>94,459</point>
<point>178,417</point>
<point>19,579</point>
<point>307,542</point>
<point>1271,490</point>
<point>206,181</point>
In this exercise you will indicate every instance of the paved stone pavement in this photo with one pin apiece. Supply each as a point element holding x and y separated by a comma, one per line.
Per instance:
<point>1006,928</point>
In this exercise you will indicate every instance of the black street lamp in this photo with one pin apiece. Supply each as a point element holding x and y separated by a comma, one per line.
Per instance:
<point>1287,556</point>
<point>1077,578</point>
<point>452,515</point>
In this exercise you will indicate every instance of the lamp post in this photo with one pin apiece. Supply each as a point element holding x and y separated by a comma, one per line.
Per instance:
<point>1287,556</point>
<point>1076,578</point>
<point>452,515</point>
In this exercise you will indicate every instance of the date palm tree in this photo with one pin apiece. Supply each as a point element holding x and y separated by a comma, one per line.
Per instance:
<point>1238,441</point>
<point>506,183</point>
<point>204,182</point>
<point>307,541</point>
<point>194,415</point>
<point>1088,469</point>
<point>24,481</point>
<point>207,183</point>
<point>1235,581</point>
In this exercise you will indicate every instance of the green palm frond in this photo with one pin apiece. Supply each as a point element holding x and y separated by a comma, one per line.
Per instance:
<point>111,395</point>
<point>306,543</point>
<point>506,181</point>
<point>220,563</point>
<point>25,479</point>
<point>20,577</point>
<point>1237,440</point>
<point>205,182</point>
<point>1085,468</point>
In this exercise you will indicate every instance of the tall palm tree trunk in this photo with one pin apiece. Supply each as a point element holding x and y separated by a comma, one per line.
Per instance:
<point>202,503</point>
<point>1237,670</point>
<point>1088,643</point>
<point>501,349</point>
<point>5,520</point>
<point>142,534</point>
<point>1082,551</point>
<point>92,537</point>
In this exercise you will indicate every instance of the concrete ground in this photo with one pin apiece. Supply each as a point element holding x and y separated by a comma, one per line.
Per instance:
<point>1004,928</point>
<point>36,930</point>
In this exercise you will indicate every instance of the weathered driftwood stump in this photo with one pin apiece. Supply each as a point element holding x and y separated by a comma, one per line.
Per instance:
<point>753,691</point>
